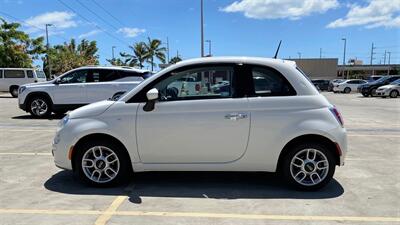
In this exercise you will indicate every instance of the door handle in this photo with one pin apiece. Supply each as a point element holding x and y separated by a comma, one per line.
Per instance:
<point>235,116</point>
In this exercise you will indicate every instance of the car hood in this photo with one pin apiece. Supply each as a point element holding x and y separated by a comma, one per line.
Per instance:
<point>91,110</point>
<point>387,86</point>
<point>38,84</point>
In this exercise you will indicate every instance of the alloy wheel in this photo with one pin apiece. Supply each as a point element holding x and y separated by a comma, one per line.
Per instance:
<point>100,164</point>
<point>39,107</point>
<point>309,167</point>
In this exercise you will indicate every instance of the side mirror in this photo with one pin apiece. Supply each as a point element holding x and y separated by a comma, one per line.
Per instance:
<point>152,96</point>
<point>57,81</point>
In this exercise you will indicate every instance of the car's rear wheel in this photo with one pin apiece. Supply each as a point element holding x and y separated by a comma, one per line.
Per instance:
<point>14,91</point>
<point>347,90</point>
<point>101,163</point>
<point>394,94</point>
<point>365,94</point>
<point>308,166</point>
<point>39,106</point>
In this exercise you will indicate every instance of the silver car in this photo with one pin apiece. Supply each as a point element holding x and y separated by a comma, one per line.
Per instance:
<point>392,90</point>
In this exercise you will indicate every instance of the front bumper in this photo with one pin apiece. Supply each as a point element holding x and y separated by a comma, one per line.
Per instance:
<point>382,93</point>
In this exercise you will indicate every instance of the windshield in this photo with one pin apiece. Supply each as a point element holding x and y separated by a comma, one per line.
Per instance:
<point>395,82</point>
<point>380,80</point>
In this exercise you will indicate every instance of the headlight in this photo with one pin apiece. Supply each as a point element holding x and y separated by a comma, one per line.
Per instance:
<point>21,89</point>
<point>63,121</point>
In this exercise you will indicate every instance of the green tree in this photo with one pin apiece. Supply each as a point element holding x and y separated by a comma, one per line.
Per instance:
<point>70,56</point>
<point>139,56</point>
<point>175,60</point>
<point>16,48</point>
<point>154,50</point>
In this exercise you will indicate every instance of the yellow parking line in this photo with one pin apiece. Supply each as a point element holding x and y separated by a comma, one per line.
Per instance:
<point>111,211</point>
<point>26,153</point>
<point>108,213</point>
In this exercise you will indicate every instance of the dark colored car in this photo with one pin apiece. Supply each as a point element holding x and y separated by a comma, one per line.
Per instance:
<point>369,89</point>
<point>322,85</point>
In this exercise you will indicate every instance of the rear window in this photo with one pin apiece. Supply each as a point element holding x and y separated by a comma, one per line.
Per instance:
<point>40,74</point>
<point>14,74</point>
<point>29,73</point>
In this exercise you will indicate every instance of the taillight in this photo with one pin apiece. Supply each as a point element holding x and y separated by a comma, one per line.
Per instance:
<point>337,115</point>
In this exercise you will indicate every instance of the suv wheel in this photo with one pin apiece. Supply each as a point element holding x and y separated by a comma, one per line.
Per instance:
<point>14,91</point>
<point>39,106</point>
<point>101,163</point>
<point>347,90</point>
<point>309,166</point>
<point>394,94</point>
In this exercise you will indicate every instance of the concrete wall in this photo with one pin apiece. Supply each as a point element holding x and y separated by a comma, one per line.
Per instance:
<point>325,68</point>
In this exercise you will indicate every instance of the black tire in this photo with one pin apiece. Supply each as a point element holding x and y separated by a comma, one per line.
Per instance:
<point>14,91</point>
<point>373,92</point>
<point>347,90</point>
<point>394,94</point>
<point>286,164</point>
<point>125,167</point>
<point>39,99</point>
<point>365,94</point>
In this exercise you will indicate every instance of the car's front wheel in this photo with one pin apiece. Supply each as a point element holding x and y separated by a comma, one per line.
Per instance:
<point>101,163</point>
<point>347,90</point>
<point>39,106</point>
<point>309,166</point>
<point>394,94</point>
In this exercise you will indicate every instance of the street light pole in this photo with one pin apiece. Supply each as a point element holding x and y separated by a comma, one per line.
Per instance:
<point>320,53</point>
<point>47,48</point>
<point>112,48</point>
<point>201,28</point>
<point>209,47</point>
<point>167,50</point>
<point>344,55</point>
<point>299,53</point>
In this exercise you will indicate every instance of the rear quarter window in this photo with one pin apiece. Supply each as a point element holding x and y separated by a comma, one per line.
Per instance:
<point>29,73</point>
<point>270,82</point>
<point>14,74</point>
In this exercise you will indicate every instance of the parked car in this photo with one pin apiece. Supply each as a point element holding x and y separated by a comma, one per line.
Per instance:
<point>294,129</point>
<point>348,85</point>
<point>12,78</point>
<point>78,87</point>
<point>322,85</point>
<point>333,82</point>
<point>369,89</point>
<point>391,90</point>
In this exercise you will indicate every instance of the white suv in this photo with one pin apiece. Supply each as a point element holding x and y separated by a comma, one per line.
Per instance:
<point>78,87</point>
<point>280,124</point>
<point>12,78</point>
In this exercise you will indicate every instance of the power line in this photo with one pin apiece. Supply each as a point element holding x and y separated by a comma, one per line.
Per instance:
<point>94,13</point>
<point>115,18</point>
<point>90,22</point>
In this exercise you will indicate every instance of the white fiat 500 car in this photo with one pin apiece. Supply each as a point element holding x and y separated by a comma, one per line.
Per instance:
<point>283,125</point>
<point>348,85</point>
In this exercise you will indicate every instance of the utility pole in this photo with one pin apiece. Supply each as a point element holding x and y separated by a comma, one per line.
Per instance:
<point>201,28</point>
<point>48,47</point>
<point>209,47</point>
<point>372,53</point>
<point>384,59</point>
<point>320,53</point>
<point>299,53</point>
<point>389,53</point>
<point>167,50</point>
<point>344,56</point>
<point>112,49</point>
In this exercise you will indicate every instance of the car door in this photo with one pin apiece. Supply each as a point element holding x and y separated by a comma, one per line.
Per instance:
<point>201,126</point>
<point>100,85</point>
<point>70,89</point>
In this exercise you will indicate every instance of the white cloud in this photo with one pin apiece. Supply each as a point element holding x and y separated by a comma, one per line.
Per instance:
<point>130,31</point>
<point>88,34</point>
<point>280,9</point>
<point>378,13</point>
<point>59,21</point>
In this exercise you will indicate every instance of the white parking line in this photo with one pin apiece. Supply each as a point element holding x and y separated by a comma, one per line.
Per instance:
<point>27,153</point>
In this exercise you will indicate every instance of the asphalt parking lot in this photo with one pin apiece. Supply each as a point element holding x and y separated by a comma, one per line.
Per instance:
<point>365,191</point>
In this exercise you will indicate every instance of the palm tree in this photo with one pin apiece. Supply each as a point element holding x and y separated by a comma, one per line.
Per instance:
<point>139,55</point>
<point>154,49</point>
<point>175,60</point>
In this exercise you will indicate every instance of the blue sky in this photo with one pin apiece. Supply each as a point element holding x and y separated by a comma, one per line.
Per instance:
<point>241,27</point>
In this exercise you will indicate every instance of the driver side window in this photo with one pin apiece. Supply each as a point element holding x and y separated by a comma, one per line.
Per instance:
<point>199,83</point>
<point>78,76</point>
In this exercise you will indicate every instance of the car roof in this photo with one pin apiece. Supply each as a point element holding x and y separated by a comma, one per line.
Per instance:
<point>123,68</point>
